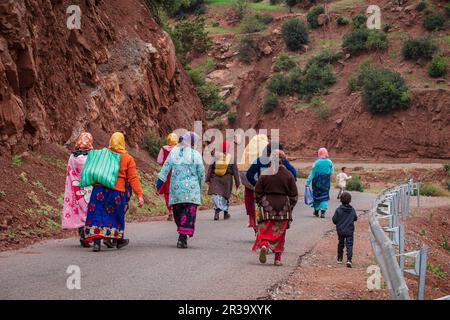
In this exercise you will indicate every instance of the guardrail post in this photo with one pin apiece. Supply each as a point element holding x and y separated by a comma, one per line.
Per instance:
<point>422,272</point>
<point>418,194</point>
<point>401,246</point>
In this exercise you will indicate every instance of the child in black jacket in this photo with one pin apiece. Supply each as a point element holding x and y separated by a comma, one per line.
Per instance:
<point>344,218</point>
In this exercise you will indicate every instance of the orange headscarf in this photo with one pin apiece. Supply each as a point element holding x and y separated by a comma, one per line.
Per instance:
<point>84,142</point>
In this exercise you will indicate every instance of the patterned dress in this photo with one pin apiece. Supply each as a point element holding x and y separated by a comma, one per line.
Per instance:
<point>186,182</point>
<point>322,168</point>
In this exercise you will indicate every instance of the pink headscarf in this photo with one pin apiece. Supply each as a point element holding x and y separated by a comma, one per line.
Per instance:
<point>323,153</point>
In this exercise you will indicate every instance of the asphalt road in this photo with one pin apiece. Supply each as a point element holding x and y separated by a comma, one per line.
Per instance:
<point>217,265</point>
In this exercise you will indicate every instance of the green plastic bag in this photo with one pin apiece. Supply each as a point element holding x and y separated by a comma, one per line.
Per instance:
<point>102,166</point>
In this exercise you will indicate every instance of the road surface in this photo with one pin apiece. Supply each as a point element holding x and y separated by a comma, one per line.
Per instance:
<point>217,265</point>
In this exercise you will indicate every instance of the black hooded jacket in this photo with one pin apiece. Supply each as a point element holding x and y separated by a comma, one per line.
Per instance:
<point>344,218</point>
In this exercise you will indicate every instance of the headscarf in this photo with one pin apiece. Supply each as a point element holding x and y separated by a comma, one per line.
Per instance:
<point>253,150</point>
<point>225,146</point>
<point>117,142</point>
<point>323,153</point>
<point>84,142</point>
<point>190,138</point>
<point>172,139</point>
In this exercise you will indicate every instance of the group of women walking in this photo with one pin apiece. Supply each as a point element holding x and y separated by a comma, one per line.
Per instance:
<point>98,211</point>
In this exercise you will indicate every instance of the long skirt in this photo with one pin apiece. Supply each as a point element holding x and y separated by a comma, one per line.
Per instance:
<point>220,203</point>
<point>184,215</point>
<point>249,199</point>
<point>271,234</point>
<point>323,205</point>
<point>106,213</point>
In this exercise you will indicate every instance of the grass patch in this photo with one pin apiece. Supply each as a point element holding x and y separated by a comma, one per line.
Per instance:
<point>345,5</point>
<point>251,5</point>
<point>328,43</point>
<point>445,245</point>
<point>17,161</point>
<point>433,190</point>
<point>221,30</point>
<point>38,185</point>
<point>436,270</point>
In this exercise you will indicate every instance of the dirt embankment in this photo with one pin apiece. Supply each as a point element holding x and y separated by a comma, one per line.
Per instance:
<point>118,72</point>
<point>351,131</point>
<point>320,277</point>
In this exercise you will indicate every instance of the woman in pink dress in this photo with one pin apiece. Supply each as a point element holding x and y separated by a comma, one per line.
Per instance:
<point>172,140</point>
<point>76,198</point>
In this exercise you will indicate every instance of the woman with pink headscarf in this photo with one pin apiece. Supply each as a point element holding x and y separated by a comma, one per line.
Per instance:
<point>76,198</point>
<point>319,179</point>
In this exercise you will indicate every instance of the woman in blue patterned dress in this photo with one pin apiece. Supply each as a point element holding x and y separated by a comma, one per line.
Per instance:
<point>188,177</point>
<point>320,178</point>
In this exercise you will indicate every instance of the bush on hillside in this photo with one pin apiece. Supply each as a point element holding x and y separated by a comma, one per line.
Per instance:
<point>190,36</point>
<point>316,78</point>
<point>313,15</point>
<point>342,21</point>
<point>231,116</point>
<point>321,110</point>
<point>278,84</point>
<point>153,142</point>
<point>251,24</point>
<point>295,79</point>
<point>209,96</point>
<point>359,21</point>
<point>355,184</point>
<point>446,167</point>
<point>284,62</point>
<point>384,90</point>
<point>270,103</point>
<point>438,66</point>
<point>447,9</point>
<point>355,41</point>
<point>295,34</point>
<point>264,17</point>
<point>355,81</point>
<point>376,40</point>
<point>247,49</point>
<point>326,56</point>
<point>240,8</point>
<point>421,6</point>
<point>434,21</point>
<point>432,190</point>
<point>419,48</point>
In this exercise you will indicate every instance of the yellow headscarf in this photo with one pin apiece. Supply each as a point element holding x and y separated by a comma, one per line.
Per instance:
<point>117,142</point>
<point>253,150</point>
<point>172,139</point>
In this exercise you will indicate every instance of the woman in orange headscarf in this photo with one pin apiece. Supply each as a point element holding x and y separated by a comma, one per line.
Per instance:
<point>172,141</point>
<point>76,198</point>
<point>107,207</point>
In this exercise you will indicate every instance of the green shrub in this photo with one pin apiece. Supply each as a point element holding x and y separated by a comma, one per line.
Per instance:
<point>355,81</point>
<point>292,3</point>
<point>264,18</point>
<point>295,79</point>
<point>326,56</point>
<point>247,49</point>
<point>240,8</point>
<point>448,185</point>
<point>446,167</point>
<point>284,62</point>
<point>384,90</point>
<point>278,84</point>
<point>438,271</point>
<point>270,103</point>
<point>316,78</point>
<point>355,41</point>
<point>359,21</point>
<point>434,21</point>
<point>355,184</point>
<point>295,34</point>
<point>438,66</point>
<point>313,15</point>
<point>321,110</point>
<point>215,24</point>
<point>209,95</point>
<point>421,6</point>
<point>376,40</point>
<point>447,9</point>
<point>419,48</point>
<point>190,36</point>
<point>17,161</point>
<point>342,21</point>
<point>251,24</point>
<point>231,116</point>
<point>386,27</point>
<point>153,142</point>
<point>432,190</point>
<point>220,106</point>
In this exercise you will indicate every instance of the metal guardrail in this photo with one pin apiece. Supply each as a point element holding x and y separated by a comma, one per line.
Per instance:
<point>388,240</point>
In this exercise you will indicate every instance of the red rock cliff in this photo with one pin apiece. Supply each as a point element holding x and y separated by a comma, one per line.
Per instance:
<point>118,72</point>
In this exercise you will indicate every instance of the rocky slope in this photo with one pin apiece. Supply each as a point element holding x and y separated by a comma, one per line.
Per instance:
<point>351,132</point>
<point>118,72</point>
